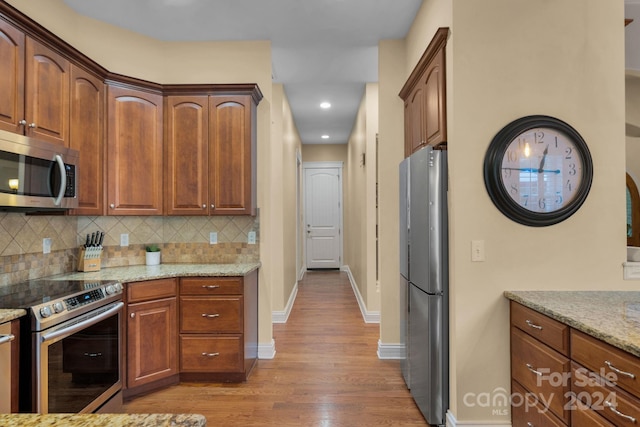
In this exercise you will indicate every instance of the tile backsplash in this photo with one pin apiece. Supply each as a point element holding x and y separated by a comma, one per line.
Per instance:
<point>182,240</point>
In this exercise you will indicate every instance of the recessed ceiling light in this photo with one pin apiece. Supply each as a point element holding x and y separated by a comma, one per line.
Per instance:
<point>325,105</point>
<point>325,137</point>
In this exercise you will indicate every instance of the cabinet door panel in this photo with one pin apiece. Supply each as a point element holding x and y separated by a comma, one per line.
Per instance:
<point>434,98</point>
<point>47,94</point>
<point>11,77</point>
<point>86,134</point>
<point>416,114</point>
<point>230,151</point>
<point>187,140</point>
<point>151,341</point>
<point>134,152</point>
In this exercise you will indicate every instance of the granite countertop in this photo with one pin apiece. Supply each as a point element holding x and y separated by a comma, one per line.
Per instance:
<point>611,316</point>
<point>7,315</point>
<point>103,420</point>
<point>137,273</point>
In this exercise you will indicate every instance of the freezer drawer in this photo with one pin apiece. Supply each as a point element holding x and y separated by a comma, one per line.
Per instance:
<point>428,357</point>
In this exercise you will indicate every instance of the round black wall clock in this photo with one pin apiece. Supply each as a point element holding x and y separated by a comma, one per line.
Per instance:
<point>538,170</point>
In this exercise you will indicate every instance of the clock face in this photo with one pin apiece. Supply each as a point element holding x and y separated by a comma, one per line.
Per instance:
<point>542,169</point>
<point>538,170</point>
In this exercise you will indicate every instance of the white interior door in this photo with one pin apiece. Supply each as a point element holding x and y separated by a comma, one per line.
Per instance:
<point>323,216</point>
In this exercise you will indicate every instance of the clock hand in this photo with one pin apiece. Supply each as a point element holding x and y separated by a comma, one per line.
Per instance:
<point>544,157</point>
<point>533,170</point>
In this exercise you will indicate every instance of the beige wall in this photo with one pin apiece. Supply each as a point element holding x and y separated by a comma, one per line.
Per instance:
<point>496,72</point>
<point>324,153</point>
<point>127,53</point>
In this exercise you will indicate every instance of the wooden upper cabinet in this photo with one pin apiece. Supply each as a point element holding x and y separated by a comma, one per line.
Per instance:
<point>12,43</point>
<point>86,134</point>
<point>424,98</point>
<point>434,98</point>
<point>187,148</point>
<point>46,94</point>
<point>34,83</point>
<point>134,152</point>
<point>232,154</point>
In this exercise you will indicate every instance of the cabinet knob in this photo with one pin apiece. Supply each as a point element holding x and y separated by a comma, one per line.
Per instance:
<point>213,206</point>
<point>112,206</point>
<point>32,125</point>
<point>132,315</point>
<point>204,206</point>
<point>22,122</point>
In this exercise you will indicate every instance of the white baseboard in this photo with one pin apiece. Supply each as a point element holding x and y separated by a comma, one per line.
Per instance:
<point>267,351</point>
<point>391,351</point>
<point>283,316</point>
<point>452,422</point>
<point>368,316</point>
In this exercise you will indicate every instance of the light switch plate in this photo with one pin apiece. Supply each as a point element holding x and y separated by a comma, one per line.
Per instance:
<point>46,245</point>
<point>251,238</point>
<point>213,238</point>
<point>124,239</point>
<point>477,250</point>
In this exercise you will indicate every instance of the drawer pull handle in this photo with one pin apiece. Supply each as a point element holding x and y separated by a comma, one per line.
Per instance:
<point>532,369</point>
<point>211,286</point>
<point>210,316</point>
<point>533,325</point>
<point>210,354</point>
<point>618,413</point>
<point>618,371</point>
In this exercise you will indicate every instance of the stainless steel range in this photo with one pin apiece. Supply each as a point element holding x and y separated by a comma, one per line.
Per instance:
<point>70,345</point>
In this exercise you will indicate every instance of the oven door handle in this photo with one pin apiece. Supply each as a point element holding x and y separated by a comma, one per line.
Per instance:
<point>75,327</point>
<point>6,338</point>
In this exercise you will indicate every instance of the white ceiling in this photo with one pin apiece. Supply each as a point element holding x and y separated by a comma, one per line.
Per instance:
<point>323,50</point>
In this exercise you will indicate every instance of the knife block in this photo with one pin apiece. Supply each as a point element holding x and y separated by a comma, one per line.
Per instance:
<point>89,258</point>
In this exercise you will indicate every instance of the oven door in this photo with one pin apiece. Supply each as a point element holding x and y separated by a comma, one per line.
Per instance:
<point>77,363</point>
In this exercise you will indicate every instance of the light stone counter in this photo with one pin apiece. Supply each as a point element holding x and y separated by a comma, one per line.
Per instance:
<point>103,420</point>
<point>611,316</point>
<point>137,273</point>
<point>7,315</point>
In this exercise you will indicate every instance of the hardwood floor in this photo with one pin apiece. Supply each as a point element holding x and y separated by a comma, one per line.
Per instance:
<point>325,373</point>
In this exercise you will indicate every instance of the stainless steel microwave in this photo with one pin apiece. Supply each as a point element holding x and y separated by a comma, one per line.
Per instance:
<point>36,175</point>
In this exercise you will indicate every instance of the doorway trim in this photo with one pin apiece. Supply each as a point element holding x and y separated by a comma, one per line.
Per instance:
<point>325,165</point>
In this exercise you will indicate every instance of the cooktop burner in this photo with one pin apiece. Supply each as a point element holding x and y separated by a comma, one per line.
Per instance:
<point>52,301</point>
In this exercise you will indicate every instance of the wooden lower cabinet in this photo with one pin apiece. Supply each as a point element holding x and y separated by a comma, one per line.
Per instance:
<point>152,356</point>
<point>218,328</point>
<point>584,381</point>
<point>190,329</point>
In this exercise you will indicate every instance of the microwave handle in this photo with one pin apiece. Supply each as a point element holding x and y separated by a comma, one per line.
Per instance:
<point>63,180</point>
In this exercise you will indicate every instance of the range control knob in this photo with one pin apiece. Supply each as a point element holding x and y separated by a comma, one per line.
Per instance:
<point>58,307</point>
<point>110,289</point>
<point>45,311</point>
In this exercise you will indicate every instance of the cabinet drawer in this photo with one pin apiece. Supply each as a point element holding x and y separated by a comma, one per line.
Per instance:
<point>151,289</point>
<point>211,286</point>
<point>616,365</point>
<point>583,416</point>
<point>541,370</point>
<point>527,411</point>
<point>211,314</point>
<point>543,328</point>
<point>616,405</point>
<point>211,354</point>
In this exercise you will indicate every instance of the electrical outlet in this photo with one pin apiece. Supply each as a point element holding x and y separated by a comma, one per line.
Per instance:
<point>124,239</point>
<point>251,238</point>
<point>213,238</point>
<point>46,245</point>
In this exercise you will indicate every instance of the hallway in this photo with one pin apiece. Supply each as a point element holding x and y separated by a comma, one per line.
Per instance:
<point>325,373</point>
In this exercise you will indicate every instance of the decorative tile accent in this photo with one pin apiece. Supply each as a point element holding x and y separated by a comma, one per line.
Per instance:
<point>182,240</point>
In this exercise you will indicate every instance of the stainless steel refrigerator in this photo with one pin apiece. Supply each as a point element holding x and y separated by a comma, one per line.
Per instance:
<point>424,281</point>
